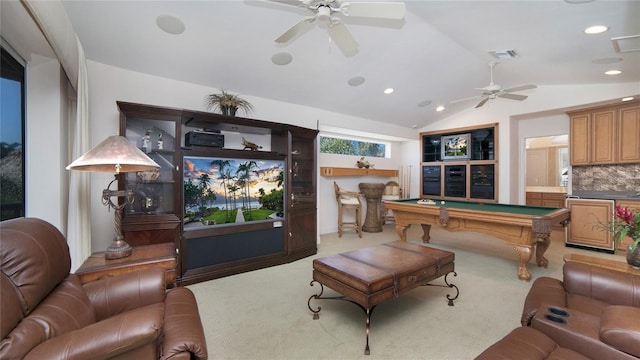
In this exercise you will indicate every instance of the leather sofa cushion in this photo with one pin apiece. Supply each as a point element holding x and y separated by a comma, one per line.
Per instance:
<point>601,284</point>
<point>65,310</point>
<point>525,343</point>
<point>10,305</point>
<point>620,328</point>
<point>35,256</point>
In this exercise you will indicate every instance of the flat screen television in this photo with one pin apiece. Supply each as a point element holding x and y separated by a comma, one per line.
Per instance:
<point>456,147</point>
<point>221,191</point>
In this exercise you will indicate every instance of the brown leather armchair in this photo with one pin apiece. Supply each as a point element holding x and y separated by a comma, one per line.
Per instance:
<point>46,312</point>
<point>592,313</point>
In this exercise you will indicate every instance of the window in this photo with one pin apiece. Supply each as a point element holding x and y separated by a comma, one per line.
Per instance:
<point>11,138</point>
<point>342,146</point>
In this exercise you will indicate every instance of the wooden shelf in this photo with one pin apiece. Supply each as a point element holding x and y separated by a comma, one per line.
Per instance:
<point>337,171</point>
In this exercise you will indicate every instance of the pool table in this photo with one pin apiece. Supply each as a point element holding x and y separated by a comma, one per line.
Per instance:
<point>527,228</point>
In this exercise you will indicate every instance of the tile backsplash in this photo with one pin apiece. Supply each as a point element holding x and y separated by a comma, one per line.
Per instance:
<point>620,177</point>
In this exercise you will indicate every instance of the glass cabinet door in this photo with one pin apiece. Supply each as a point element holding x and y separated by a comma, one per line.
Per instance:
<point>153,191</point>
<point>302,171</point>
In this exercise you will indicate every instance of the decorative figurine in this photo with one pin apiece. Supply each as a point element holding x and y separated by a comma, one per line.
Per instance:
<point>146,141</point>
<point>249,145</point>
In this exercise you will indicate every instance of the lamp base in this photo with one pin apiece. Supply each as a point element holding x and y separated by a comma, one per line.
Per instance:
<point>117,250</point>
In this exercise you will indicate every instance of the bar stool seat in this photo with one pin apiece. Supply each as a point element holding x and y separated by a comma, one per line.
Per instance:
<point>348,200</point>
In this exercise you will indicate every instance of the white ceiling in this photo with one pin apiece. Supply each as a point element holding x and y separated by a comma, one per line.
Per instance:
<point>438,53</point>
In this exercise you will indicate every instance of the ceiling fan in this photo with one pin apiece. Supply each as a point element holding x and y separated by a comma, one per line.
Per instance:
<point>324,11</point>
<point>493,91</point>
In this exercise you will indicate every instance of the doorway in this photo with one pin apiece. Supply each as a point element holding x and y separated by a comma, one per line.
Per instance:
<point>547,161</point>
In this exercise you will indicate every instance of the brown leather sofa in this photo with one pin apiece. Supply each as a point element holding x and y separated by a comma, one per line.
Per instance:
<point>593,312</point>
<point>47,313</point>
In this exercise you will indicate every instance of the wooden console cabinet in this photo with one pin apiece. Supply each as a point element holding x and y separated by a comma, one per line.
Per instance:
<point>158,213</point>
<point>142,257</point>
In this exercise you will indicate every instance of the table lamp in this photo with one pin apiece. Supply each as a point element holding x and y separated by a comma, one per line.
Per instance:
<point>115,155</point>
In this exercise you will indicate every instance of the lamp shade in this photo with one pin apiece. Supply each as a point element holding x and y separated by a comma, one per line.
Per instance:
<point>114,155</point>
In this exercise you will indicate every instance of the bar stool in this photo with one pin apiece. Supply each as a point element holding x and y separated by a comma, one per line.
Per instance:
<point>348,200</point>
<point>392,191</point>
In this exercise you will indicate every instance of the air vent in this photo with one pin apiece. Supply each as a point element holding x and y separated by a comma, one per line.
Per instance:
<point>625,44</point>
<point>504,54</point>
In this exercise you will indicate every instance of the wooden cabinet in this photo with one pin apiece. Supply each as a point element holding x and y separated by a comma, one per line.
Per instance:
<point>97,267</point>
<point>473,178</point>
<point>587,217</point>
<point>301,203</point>
<point>179,205</point>
<point>633,204</point>
<point>629,134</point>
<point>550,199</point>
<point>605,135</point>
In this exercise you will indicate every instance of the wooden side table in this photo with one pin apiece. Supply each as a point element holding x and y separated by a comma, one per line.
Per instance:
<point>142,257</point>
<point>602,262</point>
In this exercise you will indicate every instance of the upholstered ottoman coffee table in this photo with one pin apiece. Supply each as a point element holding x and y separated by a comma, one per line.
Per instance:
<point>370,276</point>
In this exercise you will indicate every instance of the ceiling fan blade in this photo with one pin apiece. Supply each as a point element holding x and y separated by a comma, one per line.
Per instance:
<point>343,38</point>
<point>301,27</point>
<point>465,99</point>
<point>513,96</point>
<point>482,102</point>
<point>380,10</point>
<point>300,3</point>
<point>520,88</point>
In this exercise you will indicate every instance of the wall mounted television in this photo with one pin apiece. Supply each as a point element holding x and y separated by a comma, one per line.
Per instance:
<point>224,191</point>
<point>456,147</point>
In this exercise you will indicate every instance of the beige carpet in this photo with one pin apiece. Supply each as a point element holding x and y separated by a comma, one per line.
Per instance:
<point>264,315</point>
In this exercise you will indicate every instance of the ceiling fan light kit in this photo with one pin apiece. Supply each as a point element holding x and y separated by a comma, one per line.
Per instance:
<point>338,32</point>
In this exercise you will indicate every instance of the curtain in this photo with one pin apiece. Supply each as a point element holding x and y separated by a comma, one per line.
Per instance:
<point>52,20</point>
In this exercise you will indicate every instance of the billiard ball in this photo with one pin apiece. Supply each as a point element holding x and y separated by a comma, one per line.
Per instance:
<point>442,202</point>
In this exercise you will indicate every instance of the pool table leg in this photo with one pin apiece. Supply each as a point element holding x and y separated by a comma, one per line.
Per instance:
<point>402,231</point>
<point>426,229</point>
<point>541,248</point>
<point>524,254</point>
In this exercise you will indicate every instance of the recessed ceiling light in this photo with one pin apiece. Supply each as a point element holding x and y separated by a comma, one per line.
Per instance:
<point>595,29</point>
<point>170,24</point>
<point>424,103</point>
<point>356,81</point>
<point>611,60</point>
<point>440,108</point>
<point>628,98</point>
<point>281,58</point>
<point>613,72</point>
<point>388,91</point>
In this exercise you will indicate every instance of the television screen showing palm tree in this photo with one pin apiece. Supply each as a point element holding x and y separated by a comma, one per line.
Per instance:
<point>226,191</point>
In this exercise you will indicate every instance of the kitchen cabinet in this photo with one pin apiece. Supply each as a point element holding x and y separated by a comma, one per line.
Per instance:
<point>472,178</point>
<point>629,134</point>
<point>605,135</point>
<point>550,199</point>
<point>587,217</point>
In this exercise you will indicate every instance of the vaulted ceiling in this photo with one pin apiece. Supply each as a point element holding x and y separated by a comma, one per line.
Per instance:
<point>437,54</point>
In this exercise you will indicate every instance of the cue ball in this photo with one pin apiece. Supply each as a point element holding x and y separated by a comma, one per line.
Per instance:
<point>442,202</point>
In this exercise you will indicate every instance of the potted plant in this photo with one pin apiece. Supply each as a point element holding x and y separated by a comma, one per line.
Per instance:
<point>627,223</point>
<point>228,103</point>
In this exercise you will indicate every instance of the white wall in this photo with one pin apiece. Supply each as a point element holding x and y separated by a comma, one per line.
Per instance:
<point>543,102</point>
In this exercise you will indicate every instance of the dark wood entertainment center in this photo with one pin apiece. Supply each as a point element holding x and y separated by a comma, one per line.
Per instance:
<point>471,174</point>
<point>158,212</point>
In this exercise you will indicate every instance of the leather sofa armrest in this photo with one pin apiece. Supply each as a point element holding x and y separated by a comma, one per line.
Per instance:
<point>183,332</point>
<point>620,328</point>
<point>545,290</point>
<point>114,295</point>
<point>106,339</point>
